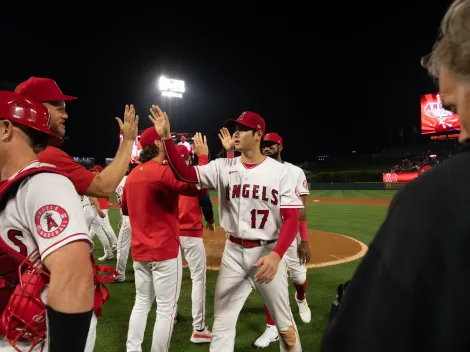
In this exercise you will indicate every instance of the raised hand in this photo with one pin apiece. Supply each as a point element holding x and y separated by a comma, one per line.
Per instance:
<point>226,139</point>
<point>160,121</point>
<point>130,127</point>
<point>200,144</point>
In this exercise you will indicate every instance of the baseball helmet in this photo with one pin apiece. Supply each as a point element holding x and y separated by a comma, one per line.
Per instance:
<point>27,112</point>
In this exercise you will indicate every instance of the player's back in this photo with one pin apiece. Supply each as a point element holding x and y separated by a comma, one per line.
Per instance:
<point>153,213</point>
<point>190,213</point>
<point>251,196</point>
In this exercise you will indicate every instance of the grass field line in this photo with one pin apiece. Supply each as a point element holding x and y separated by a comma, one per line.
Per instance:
<point>351,258</point>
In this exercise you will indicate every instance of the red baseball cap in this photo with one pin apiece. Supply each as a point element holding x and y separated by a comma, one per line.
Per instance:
<point>183,151</point>
<point>42,89</point>
<point>273,137</point>
<point>148,137</point>
<point>251,120</point>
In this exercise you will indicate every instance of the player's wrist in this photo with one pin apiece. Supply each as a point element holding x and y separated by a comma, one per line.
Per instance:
<point>211,221</point>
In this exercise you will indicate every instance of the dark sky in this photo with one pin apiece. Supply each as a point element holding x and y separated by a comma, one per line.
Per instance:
<point>329,79</point>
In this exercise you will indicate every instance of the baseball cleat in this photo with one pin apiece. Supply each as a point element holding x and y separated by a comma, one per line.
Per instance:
<point>304,310</point>
<point>106,256</point>
<point>269,335</point>
<point>203,336</point>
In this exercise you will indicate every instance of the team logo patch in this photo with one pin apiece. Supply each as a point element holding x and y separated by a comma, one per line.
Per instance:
<point>297,192</point>
<point>51,221</point>
<point>305,184</point>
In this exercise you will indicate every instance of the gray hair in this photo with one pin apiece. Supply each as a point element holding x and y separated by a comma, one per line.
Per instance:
<point>452,48</point>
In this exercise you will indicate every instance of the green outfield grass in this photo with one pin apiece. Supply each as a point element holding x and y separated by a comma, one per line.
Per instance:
<point>358,221</point>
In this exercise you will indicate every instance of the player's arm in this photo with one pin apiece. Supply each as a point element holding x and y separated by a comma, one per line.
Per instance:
<point>106,181</point>
<point>304,249</point>
<point>206,206</point>
<point>169,181</point>
<point>65,253</point>
<point>205,175</point>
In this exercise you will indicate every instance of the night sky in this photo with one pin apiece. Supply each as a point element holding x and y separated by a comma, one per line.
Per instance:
<point>329,79</point>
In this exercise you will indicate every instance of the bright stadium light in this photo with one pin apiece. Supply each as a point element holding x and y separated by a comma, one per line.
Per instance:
<point>172,88</point>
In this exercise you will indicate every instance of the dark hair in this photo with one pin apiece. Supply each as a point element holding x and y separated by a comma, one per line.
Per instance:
<point>148,153</point>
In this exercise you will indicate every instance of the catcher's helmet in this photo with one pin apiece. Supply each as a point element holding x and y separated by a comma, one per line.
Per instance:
<point>19,109</point>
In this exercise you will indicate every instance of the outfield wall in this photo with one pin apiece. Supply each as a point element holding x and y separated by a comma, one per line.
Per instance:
<point>358,186</point>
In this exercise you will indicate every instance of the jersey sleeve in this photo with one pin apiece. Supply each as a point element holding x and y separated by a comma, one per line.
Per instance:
<point>81,177</point>
<point>187,189</point>
<point>302,183</point>
<point>289,190</point>
<point>53,212</point>
<point>208,175</point>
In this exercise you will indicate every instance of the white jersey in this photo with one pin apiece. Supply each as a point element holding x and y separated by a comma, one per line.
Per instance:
<point>120,190</point>
<point>44,215</point>
<point>299,175</point>
<point>250,199</point>
<point>84,200</point>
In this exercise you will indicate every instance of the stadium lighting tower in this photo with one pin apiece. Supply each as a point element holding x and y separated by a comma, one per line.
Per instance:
<point>171,88</point>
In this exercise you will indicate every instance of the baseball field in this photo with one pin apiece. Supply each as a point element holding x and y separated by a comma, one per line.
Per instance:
<point>341,224</point>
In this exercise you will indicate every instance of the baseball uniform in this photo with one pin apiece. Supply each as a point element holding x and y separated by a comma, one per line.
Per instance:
<point>192,246</point>
<point>252,202</point>
<point>97,228</point>
<point>150,198</point>
<point>81,177</point>
<point>43,216</point>
<point>124,239</point>
<point>104,205</point>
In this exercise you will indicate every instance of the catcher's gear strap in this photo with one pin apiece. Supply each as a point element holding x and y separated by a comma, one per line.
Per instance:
<point>10,258</point>
<point>68,332</point>
<point>101,291</point>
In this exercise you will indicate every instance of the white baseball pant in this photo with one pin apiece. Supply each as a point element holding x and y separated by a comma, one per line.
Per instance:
<point>97,228</point>
<point>234,284</point>
<point>123,246</point>
<point>160,281</point>
<point>108,228</point>
<point>195,254</point>
<point>297,271</point>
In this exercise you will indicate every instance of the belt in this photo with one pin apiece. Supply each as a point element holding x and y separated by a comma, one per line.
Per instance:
<point>249,243</point>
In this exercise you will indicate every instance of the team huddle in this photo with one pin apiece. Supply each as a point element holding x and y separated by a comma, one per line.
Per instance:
<point>50,287</point>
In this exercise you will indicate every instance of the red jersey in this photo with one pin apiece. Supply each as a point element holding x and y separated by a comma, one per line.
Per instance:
<point>80,177</point>
<point>150,198</point>
<point>104,203</point>
<point>190,216</point>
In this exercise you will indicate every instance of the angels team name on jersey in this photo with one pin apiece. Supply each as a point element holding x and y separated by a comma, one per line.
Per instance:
<point>254,192</point>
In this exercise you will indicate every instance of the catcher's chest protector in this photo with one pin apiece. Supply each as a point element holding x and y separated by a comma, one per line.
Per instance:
<point>10,259</point>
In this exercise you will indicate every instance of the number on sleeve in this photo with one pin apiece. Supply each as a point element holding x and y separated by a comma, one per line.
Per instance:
<point>15,237</point>
<point>254,214</point>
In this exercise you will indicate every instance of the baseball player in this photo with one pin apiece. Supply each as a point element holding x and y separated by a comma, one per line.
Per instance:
<point>104,206</point>
<point>98,228</point>
<point>124,238</point>
<point>44,241</point>
<point>184,142</point>
<point>259,210</point>
<point>150,199</point>
<point>191,231</point>
<point>45,90</point>
<point>298,253</point>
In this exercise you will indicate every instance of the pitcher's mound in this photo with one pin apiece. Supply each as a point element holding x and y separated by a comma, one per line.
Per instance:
<point>327,248</point>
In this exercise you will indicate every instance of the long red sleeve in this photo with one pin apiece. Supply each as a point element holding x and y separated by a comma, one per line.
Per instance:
<point>182,171</point>
<point>289,230</point>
